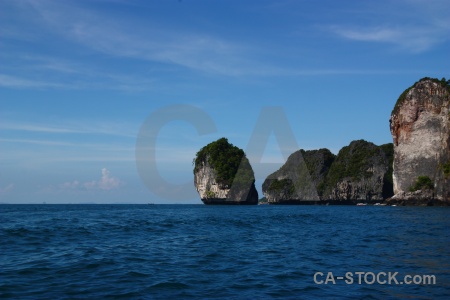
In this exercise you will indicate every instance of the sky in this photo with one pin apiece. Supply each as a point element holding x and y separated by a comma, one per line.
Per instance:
<point>89,88</point>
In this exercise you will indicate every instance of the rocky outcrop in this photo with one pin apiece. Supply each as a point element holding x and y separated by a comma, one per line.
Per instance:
<point>319,163</point>
<point>301,178</point>
<point>361,171</point>
<point>223,175</point>
<point>206,183</point>
<point>420,128</point>
<point>416,198</point>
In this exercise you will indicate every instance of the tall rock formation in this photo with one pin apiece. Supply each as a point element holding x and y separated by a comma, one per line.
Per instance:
<point>223,175</point>
<point>300,179</point>
<point>361,171</point>
<point>420,128</point>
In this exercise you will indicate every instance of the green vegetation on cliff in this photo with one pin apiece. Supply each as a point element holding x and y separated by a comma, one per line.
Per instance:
<point>319,163</point>
<point>284,185</point>
<point>352,161</point>
<point>362,170</point>
<point>446,169</point>
<point>356,162</point>
<point>263,200</point>
<point>301,177</point>
<point>422,183</point>
<point>229,162</point>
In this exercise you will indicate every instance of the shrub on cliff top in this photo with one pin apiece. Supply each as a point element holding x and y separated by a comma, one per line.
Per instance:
<point>226,160</point>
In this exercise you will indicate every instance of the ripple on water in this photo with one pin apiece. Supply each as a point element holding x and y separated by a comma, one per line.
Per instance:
<point>192,252</point>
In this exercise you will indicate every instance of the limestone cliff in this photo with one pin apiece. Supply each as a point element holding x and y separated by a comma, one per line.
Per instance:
<point>301,178</point>
<point>361,171</point>
<point>420,127</point>
<point>223,175</point>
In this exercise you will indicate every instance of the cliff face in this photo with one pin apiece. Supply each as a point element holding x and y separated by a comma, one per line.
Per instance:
<point>301,178</point>
<point>206,183</point>
<point>319,163</point>
<point>223,175</point>
<point>361,171</point>
<point>420,128</point>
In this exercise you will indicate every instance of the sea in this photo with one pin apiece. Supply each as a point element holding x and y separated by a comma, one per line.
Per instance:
<point>224,252</point>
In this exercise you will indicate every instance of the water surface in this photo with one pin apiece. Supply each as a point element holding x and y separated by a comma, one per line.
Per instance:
<point>219,252</point>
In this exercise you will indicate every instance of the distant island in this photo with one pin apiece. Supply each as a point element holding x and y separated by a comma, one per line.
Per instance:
<point>413,170</point>
<point>223,175</point>
<point>361,171</point>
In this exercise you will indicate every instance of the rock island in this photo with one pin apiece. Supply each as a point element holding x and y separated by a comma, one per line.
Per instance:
<point>223,175</point>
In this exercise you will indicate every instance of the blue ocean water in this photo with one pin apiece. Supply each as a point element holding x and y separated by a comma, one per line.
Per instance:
<point>219,252</point>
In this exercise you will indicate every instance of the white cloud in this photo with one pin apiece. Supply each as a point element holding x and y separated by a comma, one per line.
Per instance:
<point>37,142</point>
<point>151,42</point>
<point>413,39</point>
<point>44,72</point>
<point>71,127</point>
<point>105,183</point>
<point>139,39</point>
<point>170,48</point>
<point>70,185</point>
<point>18,82</point>
<point>36,128</point>
<point>412,25</point>
<point>369,34</point>
<point>90,185</point>
<point>145,41</point>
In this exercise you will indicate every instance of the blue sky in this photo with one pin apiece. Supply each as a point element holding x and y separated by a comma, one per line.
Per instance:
<point>78,79</point>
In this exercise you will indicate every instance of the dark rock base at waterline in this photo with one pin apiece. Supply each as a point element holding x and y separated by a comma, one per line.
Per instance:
<point>417,202</point>
<point>218,201</point>
<point>314,202</point>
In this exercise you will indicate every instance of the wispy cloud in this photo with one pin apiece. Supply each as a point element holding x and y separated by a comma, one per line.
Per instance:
<point>19,82</point>
<point>72,185</point>
<point>71,127</point>
<point>148,42</point>
<point>105,183</point>
<point>37,142</point>
<point>172,49</point>
<point>151,43</point>
<point>36,128</point>
<point>369,34</point>
<point>41,72</point>
<point>193,51</point>
<point>412,25</point>
<point>416,40</point>
<point>40,153</point>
